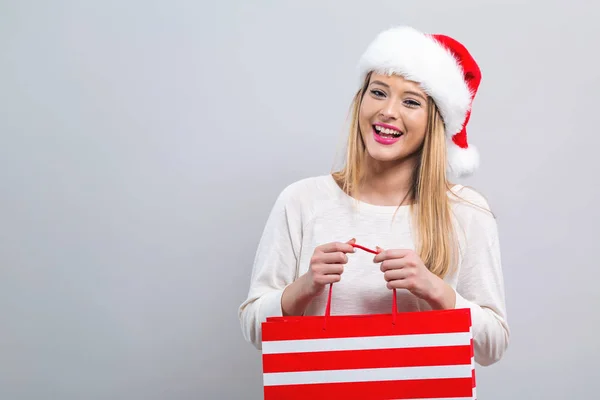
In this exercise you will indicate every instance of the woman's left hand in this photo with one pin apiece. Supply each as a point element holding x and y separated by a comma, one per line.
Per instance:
<point>404,269</point>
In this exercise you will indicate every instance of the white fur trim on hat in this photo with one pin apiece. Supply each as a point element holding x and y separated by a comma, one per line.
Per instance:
<point>419,57</point>
<point>462,161</point>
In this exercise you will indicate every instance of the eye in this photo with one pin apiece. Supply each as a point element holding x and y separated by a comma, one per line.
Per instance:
<point>377,93</point>
<point>412,103</point>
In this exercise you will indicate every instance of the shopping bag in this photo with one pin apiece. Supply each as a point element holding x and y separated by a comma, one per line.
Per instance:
<point>408,355</point>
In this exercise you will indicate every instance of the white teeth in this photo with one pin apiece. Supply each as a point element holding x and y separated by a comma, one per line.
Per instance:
<point>387,131</point>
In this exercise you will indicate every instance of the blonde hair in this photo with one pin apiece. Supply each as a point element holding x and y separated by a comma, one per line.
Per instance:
<point>431,212</point>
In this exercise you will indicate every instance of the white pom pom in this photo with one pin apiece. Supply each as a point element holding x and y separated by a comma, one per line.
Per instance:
<point>462,162</point>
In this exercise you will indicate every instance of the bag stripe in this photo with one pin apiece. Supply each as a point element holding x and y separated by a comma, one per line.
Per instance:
<point>412,323</point>
<point>439,389</point>
<point>368,374</point>
<point>370,343</point>
<point>374,358</point>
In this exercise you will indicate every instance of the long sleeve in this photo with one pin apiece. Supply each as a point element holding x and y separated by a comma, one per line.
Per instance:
<point>274,266</point>
<point>480,285</point>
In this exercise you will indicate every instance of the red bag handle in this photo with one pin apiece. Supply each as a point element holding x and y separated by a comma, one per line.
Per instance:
<point>328,307</point>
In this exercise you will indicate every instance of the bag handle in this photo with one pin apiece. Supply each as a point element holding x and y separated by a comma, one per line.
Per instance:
<point>328,307</point>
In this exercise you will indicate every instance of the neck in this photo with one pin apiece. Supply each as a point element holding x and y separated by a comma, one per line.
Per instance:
<point>387,183</point>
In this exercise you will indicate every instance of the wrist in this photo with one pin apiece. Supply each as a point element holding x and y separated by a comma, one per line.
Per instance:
<point>308,290</point>
<point>443,296</point>
<point>297,296</point>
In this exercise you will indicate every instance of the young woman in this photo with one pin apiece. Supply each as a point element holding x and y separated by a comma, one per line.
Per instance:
<point>437,242</point>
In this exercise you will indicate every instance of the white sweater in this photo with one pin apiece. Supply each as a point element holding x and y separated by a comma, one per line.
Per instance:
<point>314,211</point>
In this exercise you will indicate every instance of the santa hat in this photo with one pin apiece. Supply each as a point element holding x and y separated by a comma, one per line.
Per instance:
<point>445,70</point>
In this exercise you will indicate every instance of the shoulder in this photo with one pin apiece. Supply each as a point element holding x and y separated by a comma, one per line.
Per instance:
<point>307,189</point>
<point>471,208</point>
<point>307,195</point>
<point>467,197</point>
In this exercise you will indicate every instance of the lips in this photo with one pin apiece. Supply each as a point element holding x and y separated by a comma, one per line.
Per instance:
<point>386,134</point>
<point>387,130</point>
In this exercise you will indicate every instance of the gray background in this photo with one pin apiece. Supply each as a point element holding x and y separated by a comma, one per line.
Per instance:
<point>144,142</point>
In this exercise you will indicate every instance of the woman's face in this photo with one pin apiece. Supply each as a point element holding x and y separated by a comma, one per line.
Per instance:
<point>393,118</point>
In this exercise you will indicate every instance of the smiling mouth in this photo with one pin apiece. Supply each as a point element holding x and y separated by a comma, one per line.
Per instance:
<point>387,133</point>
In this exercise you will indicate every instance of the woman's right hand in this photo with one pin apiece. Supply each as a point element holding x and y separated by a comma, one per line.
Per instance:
<point>327,265</point>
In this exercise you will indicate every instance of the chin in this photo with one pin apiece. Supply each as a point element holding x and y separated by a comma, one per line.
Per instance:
<point>390,155</point>
<point>385,156</point>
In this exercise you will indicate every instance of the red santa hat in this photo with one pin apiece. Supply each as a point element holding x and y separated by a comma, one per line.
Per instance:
<point>445,70</point>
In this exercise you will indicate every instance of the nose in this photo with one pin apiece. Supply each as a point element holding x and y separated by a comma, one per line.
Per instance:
<point>389,111</point>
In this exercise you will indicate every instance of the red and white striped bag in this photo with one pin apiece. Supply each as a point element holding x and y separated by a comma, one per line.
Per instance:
<point>409,355</point>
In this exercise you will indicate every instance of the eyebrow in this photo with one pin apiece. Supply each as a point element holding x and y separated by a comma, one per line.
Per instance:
<point>408,91</point>
<point>380,83</point>
<point>416,94</point>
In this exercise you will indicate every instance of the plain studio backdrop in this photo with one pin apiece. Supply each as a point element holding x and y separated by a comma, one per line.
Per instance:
<point>144,143</point>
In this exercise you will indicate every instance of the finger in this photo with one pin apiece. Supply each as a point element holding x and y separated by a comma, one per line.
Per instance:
<point>396,274</point>
<point>406,283</point>
<point>390,254</point>
<point>327,279</point>
<point>337,246</point>
<point>394,263</point>
<point>331,269</point>
<point>333,258</point>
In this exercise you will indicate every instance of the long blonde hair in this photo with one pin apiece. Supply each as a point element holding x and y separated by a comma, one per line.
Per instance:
<point>431,212</point>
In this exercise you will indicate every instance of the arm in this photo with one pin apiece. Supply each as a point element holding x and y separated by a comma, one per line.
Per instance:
<point>274,267</point>
<point>480,286</point>
<point>296,297</point>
